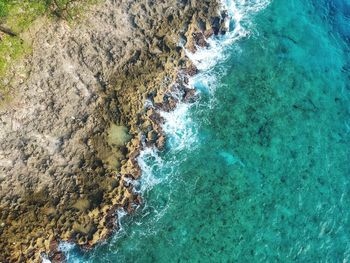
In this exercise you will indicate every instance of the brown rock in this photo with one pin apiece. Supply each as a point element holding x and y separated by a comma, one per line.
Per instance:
<point>152,136</point>
<point>189,95</point>
<point>208,33</point>
<point>55,139</point>
<point>200,39</point>
<point>161,142</point>
<point>191,70</point>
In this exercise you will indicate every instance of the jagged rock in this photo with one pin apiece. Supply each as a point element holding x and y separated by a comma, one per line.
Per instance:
<point>83,79</point>
<point>200,39</point>
<point>189,95</point>
<point>152,136</point>
<point>161,142</point>
<point>191,70</point>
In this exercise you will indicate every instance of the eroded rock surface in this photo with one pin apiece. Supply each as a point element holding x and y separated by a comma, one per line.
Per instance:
<point>72,133</point>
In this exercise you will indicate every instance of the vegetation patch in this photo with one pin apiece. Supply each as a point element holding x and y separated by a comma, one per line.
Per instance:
<point>16,17</point>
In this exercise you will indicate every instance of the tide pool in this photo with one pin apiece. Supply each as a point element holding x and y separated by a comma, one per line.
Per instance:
<point>258,169</point>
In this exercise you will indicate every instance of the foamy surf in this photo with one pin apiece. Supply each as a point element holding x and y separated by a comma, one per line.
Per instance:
<point>45,259</point>
<point>180,130</point>
<point>206,58</point>
<point>149,160</point>
<point>67,248</point>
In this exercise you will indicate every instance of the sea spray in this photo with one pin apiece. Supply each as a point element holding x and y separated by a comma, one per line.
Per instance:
<point>181,131</point>
<point>178,126</point>
<point>149,160</point>
<point>67,248</point>
<point>290,199</point>
<point>240,13</point>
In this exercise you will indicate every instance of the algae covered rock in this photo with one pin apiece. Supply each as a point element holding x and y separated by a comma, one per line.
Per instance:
<point>71,137</point>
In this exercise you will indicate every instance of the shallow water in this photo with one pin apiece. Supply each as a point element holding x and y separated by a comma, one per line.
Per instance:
<point>257,170</point>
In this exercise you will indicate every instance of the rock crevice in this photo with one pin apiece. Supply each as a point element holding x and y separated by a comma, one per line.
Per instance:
<point>70,137</point>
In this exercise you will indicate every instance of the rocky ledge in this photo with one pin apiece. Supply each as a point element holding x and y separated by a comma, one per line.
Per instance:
<point>71,135</point>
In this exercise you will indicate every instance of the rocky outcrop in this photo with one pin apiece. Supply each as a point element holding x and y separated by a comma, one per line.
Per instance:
<point>70,138</point>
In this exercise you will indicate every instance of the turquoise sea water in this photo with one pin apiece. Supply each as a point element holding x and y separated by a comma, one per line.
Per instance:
<point>257,170</point>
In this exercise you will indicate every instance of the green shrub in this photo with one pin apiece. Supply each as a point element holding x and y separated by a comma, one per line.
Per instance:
<point>18,16</point>
<point>3,8</point>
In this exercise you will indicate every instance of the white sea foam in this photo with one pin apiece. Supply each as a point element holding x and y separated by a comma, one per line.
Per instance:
<point>67,248</point>
<point>239,12</point>
<point>148,160</point>
<point>45,259</point>
<point>179,128</point>
<point>120,214</point>
<point>206,58</point>
<point>204,82</point>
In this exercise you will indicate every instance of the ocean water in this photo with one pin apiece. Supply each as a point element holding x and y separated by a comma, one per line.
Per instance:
<point>258,169</point>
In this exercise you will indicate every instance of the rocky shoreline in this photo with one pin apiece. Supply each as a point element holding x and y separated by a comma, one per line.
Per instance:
<point>71,136</point>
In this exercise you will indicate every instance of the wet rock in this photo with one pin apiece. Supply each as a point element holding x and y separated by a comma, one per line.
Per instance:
<point>191,70</point>
<point>208,33</point>
<point>101,73</point>
<point>152,137</point>
<point>200,39</point>
<point>161,142</point>
<point>216,24</point>
<point>189,95</point>
<point>169,103</point>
